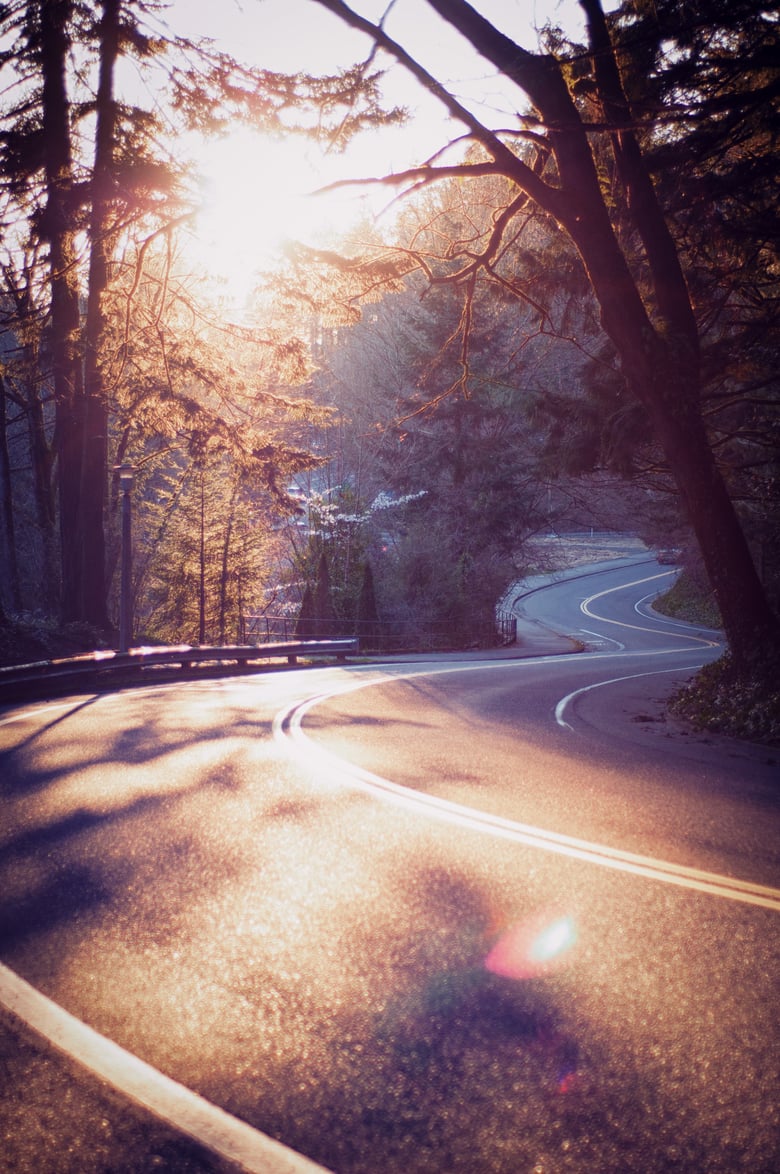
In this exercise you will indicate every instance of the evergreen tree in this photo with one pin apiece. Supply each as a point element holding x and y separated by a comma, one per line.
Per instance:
<point>78,162</point>
<point>324,612</point>
<point>367,624</point>
<point>305,628</point>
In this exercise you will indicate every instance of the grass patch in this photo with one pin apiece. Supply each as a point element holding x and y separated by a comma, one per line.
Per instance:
<point>686,600</point>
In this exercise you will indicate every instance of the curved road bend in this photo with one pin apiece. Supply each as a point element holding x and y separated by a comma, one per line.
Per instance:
<point>480,916</point>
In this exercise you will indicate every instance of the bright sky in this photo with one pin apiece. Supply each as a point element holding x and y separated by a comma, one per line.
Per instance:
<point>256,189</point>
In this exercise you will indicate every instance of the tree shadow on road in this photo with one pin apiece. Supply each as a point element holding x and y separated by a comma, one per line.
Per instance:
<point>65,895</point>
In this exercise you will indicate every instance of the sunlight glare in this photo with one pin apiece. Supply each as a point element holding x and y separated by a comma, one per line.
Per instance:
<point>258,193</point>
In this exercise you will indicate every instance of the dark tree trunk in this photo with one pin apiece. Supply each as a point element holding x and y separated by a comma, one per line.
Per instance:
<point>59,232</point>
<point>95,465</point>
<point>202,565</point>
<point>30,392</point>
<point>750,624</point>
<point>324,612</point>
<point>660,359</point>
<point>306,626</point>
<point>45,499</point>
<point>224,579</point>
<point>6,490</point>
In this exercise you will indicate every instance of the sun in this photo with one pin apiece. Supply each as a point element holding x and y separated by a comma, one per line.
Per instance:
<point>258,193</point>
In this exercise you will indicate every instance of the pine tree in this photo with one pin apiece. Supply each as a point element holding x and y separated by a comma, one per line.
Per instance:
<point>367,625</point>
<point>324,611</point>
<point>305,628</point>
<point>77,162</point>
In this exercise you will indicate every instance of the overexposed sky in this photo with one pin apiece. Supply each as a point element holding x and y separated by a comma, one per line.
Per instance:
<point>255,189</point>
<point>284,33</point>
<point>290,35</point>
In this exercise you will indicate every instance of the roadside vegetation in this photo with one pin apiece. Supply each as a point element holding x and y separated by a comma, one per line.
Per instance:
<point>725,701</point>
<point>691,600</point>
<point>719,698</point>
<point>25,639</point>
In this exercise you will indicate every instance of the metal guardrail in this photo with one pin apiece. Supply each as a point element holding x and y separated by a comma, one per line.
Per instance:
<point>393,636</point>
<point>41,678</point>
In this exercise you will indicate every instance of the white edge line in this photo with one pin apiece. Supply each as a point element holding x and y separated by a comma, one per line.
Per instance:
<point>19,715</point>
<point>601,636</point>
<point>659,617</point>
<point>564,702</point>
<point>585,609</point>
<point>647,866</point>
<point>168,1100</point>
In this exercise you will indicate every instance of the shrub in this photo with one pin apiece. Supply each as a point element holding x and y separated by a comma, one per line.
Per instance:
<point>727,702</point>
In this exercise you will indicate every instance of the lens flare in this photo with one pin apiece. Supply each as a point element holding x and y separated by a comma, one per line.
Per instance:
<point>533,948</point>
<point>553,940</point>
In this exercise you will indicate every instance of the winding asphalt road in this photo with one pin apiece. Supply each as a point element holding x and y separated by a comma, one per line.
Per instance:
<point>465,914</point>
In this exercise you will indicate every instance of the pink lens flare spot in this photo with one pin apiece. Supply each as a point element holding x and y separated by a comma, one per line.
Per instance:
<point>567,1083</point>
<point>532,948</point>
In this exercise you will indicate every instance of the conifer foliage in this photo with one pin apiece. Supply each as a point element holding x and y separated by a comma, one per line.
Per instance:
<point>105,356</point>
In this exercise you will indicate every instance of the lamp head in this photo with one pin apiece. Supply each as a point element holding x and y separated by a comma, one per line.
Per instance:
<point>126,473</point>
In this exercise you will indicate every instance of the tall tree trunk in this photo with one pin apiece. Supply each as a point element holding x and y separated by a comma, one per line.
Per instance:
<point>95,460</point>
<point>660,360</point>
<point>225,572</point>
<point>60,233</point>
<point>750,624</point>
<point>324,612</point>
<point>6,491</point>
<point>202,565</point>
<point>662,371</point>
<point>31,389</point>
<point>45,499</point>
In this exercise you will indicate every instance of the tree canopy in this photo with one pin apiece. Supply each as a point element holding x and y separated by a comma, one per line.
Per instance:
<point>106,357</point>
<point>584,152</point>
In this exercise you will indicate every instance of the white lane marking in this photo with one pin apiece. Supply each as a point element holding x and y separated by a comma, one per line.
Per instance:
<point>288,729</point>
<point>169,1101</point>
<point>79,701</point>
<point>585,608</point>
<point>566,701</point>
<point>667,621</point>
<point>26,714</point>
<point>645,616</point>
<point>601,636</point>
<point>178,1106</point>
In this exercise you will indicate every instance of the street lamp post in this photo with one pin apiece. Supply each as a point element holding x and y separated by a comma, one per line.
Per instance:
<point>125,595</point>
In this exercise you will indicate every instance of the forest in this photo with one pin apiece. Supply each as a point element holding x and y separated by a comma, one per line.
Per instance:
<point>566,323</point>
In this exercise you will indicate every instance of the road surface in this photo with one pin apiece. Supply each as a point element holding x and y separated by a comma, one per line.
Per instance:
<point>479,915</point>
